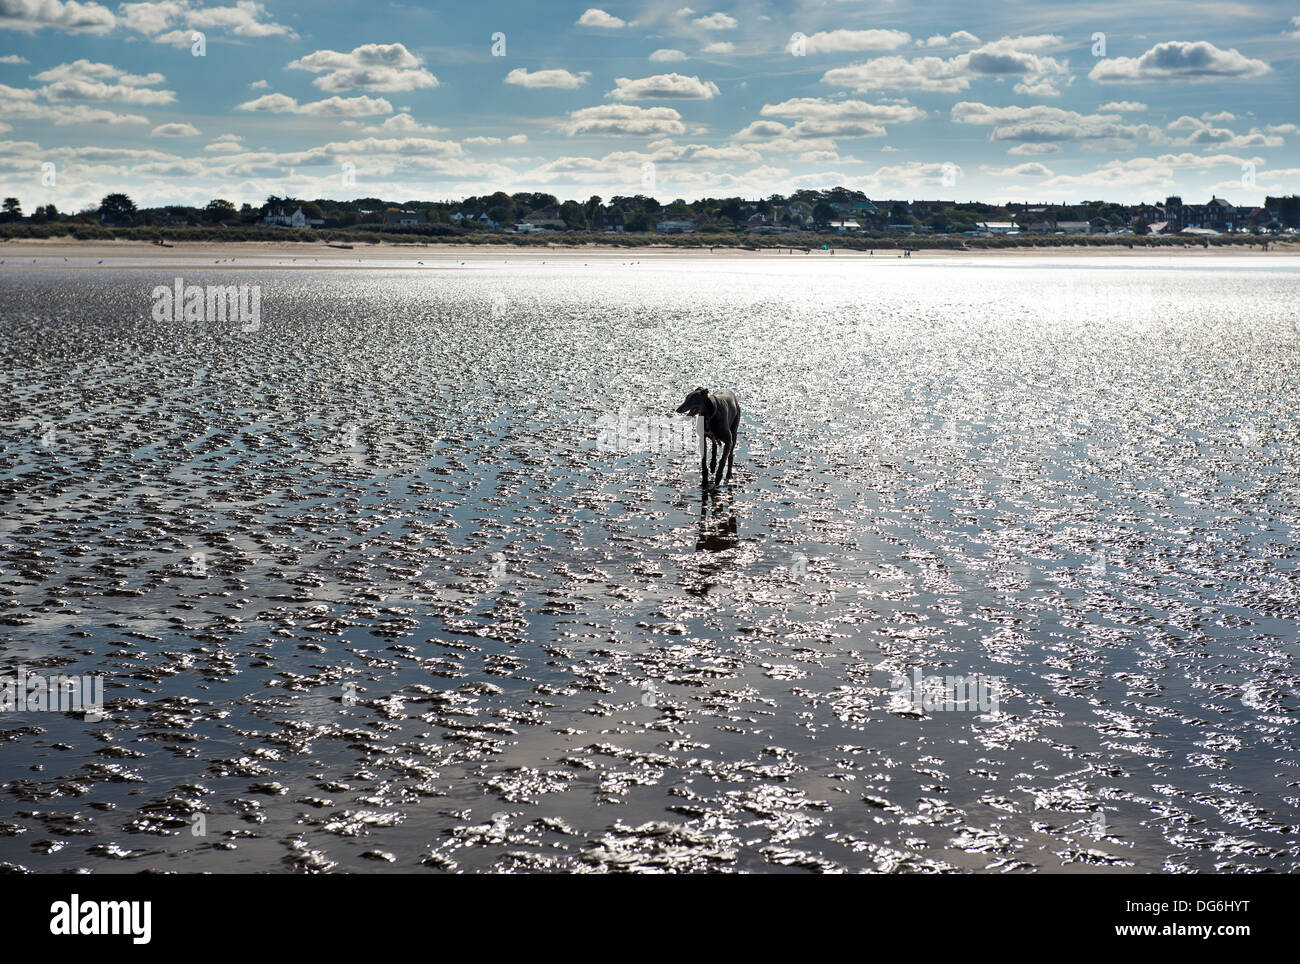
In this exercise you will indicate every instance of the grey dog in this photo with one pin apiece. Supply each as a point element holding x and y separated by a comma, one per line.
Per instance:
<point>721,413</point>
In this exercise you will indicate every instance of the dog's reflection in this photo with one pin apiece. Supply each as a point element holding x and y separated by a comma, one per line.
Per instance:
<point>719,527</point>
<point>719,530</point>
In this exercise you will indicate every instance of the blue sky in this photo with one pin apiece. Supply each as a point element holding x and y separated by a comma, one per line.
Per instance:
<point>1026,101</point>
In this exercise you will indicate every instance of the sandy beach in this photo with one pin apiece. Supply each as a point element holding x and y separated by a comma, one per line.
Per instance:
<point>246,254</point>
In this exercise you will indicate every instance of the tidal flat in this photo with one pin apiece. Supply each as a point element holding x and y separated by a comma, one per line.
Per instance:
<point>415,573</point>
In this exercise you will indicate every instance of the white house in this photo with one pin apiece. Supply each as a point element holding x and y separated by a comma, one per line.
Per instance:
<point>540,224</point>
<point>295,220</point>
<point>842,226</point>
<point>1074,227</point>
<point>999,227</point>
<point>480,219</point>
<point>676,227</point>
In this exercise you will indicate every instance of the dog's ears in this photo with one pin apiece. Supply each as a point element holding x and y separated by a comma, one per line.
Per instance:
<point>704,390</point>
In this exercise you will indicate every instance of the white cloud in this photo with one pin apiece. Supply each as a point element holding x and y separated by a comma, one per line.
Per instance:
<point>899,73</point>
<point>595,17</point>
<point>1038,88</point>
<point>719,47</point>
<point>1139,173</point>
<point>102,83</point>
<point>842,41</point>
<point>175,130</point>
<point>667,55</point>
<point>242,20</point>
<point>1028,169</point>
<point>816,117</point>
<point>225,144</point>
<point>1176,59</point>
<point>151,17</point>
<point>1041,124</point>
<point>494,141</point>
<point>14,59</point>
<point>73,17</point>
<point>625,119</point>
<point>375,146</point>
<point>960,37</point>
<point>375,67</point>
<point>402,124</point>
<point>1018,57</point>
<point>760,130</point>
<point>21,104</point>
<point>1031,150</point>
<point>1123,106</point>
<point>329,107</point>
<point>717,21</point>
<point>663,87</point>
<point>159,20</point>
<point>1201,133</point>
<point>555,77</point>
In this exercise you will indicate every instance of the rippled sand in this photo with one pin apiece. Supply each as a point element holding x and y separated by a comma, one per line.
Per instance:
<point>417,576</point>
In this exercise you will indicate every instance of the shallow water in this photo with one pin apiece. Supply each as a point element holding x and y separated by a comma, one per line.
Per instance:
<point>418,576</point>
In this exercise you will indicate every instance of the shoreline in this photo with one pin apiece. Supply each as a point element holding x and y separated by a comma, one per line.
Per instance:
<point>304,254</point>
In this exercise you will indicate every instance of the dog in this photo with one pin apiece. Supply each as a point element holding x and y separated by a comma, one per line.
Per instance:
<point>721,413</point>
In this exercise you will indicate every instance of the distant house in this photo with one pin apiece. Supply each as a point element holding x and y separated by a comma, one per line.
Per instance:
<point>1221,214</point>
<point>462,217</point>
<point>1041,212</point>
<point>533,225</point>
<point>612,221</point>
<point>843,227</point>
<point>295,220</point>
<point>1074,227</point>
<point>675,227</point>
<point>397,218</point>
<point>1040,227</point>
<point>999,227</point>
<point>1150,213</point>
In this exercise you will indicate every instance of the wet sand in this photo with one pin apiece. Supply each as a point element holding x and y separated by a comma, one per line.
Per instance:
<point>377,585</point>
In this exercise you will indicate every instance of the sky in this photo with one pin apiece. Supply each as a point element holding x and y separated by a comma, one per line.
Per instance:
<point>181,101</point>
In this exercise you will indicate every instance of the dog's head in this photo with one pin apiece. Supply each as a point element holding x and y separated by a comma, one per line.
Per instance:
<point>697,403</point>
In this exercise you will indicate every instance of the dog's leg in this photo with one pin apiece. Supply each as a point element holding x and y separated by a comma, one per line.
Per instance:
<point>713,457</point>
<point>727,447</point>
<point>731,450</point>
<point>704,462</point>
